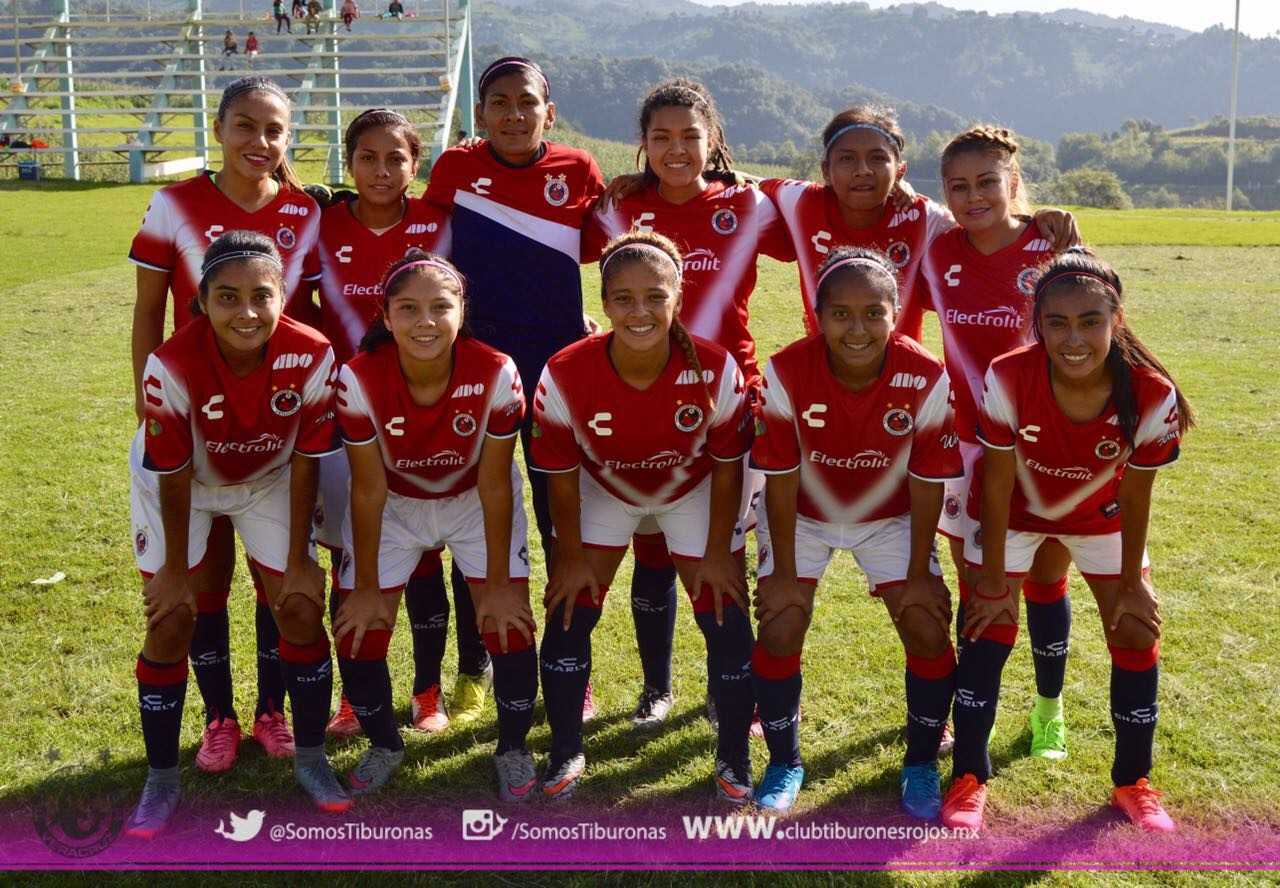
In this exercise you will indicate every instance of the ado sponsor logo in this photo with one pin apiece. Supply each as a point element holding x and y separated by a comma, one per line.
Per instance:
<point>290,360</point>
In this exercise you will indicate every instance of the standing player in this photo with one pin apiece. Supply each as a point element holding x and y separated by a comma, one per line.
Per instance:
<point>239,404</point>
<point>1074,428</point>
<point>430,416</point>
<point>857,440</point>
<point>720,229</point>
<point>659,421</point>
<point>255,190</point>
<point>979,277</point>
<point>359,240</point>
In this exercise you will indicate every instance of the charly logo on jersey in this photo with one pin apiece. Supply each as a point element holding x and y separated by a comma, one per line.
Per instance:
<point>556,191</point>
<point>1027,279</point>
<point>863,459</point>
<point>286,238</point>
<point>393,426</point>
<point>294,210</point>
<point>1004,317</point>
<point>724,221</point>
<point>812,416</point>
<point>952,277</point>
<point>899,253</point>
<point>898,422</point>
<point>701,259</point>
<point>264,443</point>
<point>478,186</point>
<point>951,506</point>
<point>1107,449</point>
<point>1030,433</point>
<point>465,425</point>
<point>688,417</point>
<point>210,407</point>
<point>213,231</point>
<point>286,402</point>
<point>690,377</point>
<point>820,241</point>
<point>343,254</point>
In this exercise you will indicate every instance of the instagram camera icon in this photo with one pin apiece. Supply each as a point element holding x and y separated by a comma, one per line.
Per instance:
<point>482,824</point>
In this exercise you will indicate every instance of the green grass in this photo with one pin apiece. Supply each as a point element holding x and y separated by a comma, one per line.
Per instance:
<point>1208,310</point>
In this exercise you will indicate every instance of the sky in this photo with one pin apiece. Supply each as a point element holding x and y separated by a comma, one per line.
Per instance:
<point>1258,18</point>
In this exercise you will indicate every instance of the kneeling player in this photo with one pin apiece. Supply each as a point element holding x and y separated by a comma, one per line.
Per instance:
<point>858,442</point>
<point>238,409</point>
<point>430,418</point>
<point>1074,428</point>
<point>658,419</point>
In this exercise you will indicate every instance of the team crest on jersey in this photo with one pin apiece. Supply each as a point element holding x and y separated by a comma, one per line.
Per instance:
<point>1027,279</point>
<point>951,506</point>
<point>286,402</point>
<point>724,221</point>
<point>688,417</point>
<point>1107,449</point>
<point>465,424</point>
<point>898,422</point>
<point>286,238</point>
<point>899,253</point>
<point>556,191</point>
<point>140,541</point>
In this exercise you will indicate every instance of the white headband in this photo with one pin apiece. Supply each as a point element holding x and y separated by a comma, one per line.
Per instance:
<point>861,262</point>
<point>239,254</point>
<point>874,127</point>
<point>641,245</point>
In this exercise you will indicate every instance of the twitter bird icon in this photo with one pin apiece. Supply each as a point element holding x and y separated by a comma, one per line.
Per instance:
<point>242,828</point>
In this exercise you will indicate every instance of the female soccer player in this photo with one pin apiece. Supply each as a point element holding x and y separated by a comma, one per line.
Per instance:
<point>239,404</point>
<point>979,277</point>
<point>687,193</point>
<point>1074,428</point>
<point>255,190</point>
<point>359,240</point>
<point>857,442</point>
<point>430,417</point>
<point>659,421</point>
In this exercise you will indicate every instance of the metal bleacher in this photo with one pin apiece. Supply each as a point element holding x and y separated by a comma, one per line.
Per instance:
<point>138,90</point>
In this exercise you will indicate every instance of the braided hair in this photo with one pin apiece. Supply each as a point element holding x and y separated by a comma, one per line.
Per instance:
<point>638,247</point>
<point>393,281</point>
<point>243,86</point>
<point>1078,267</point>
<point>681,92</point>
<point>999,143</point>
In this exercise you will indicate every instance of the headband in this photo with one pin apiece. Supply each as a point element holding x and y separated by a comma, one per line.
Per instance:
<point>861,262</point>
<point>511,62</point>
<point>239,254</point>
<point>423,263</point>
<point>641,246</point>
<point>1059,275</point>
<point>848,128</point>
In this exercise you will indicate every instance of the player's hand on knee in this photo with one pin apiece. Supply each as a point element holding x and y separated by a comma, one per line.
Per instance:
<point>1137,598</point>
<point>501,607</point>
<point>928,593</point>
<point>570,574</point>
<point>776,593</point>
<point>305,578</point>
<point>991,599</point>
<point>166,591</point>
<point>720,571</point>
<point>361,610</point>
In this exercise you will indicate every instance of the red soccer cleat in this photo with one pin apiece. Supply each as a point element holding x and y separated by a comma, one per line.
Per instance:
<point>218,746</point>
<point>964,803</point>
<point>1141,804</point>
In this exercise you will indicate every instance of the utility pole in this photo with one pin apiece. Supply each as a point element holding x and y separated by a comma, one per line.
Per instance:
<point>1235,91</point>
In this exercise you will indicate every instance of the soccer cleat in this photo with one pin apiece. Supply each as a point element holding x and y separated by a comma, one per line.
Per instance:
<point>1048,736</point>
<point>964,804</point>
<point>653,707</point>
<point>733,784</point>
<point>155,809</point>
<point>374,769</point>
<point>315,775</point>
<point>1141,804</point>
<point>921,791</point>
<point>272,733</point>
<point>469,691</point>
<point>428,712</point>
<point>779,787</point>
<point>218,746</point>
<point>948,741</point>
<point>344,722</point>
<point>516,775</point>
<point>562,783</point>
<point>588,703</point>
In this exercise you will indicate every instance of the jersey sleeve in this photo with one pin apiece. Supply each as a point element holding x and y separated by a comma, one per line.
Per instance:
<point>318,429</point>
<point>153,245</point>
<point>441,184</point>
<point>997,418</point>
<point>1157,437</point>
<point>311,261</point>
<point>554,447</point>
<point>776,449</point>
<point>775,241</point>
<point>506,407</point>
<point>937,219</point>
<point>935,449</point>
<point>355,415</point>
<point>731,427</point>
<point>601,226</point>
<point>167,420</point>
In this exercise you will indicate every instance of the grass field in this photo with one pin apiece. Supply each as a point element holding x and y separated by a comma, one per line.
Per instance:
<point>1202,291</point>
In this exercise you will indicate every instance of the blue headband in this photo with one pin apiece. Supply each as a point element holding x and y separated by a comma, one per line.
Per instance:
<point>835,137</point>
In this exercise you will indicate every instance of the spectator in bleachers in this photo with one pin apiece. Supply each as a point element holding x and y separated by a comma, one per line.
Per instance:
<point>313,16</point>
<point>251,47</point>
<point>282,18</point>
<point>350,12</point>
<point>299,8</point>
<point>395,10</point>
<point>229,48</point>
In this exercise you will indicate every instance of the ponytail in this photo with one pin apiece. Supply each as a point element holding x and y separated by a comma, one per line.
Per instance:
<point>685,341</point>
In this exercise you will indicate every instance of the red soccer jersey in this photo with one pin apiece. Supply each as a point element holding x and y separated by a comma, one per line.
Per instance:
<point>1068,472</point>
<point>856,449</point>
<point>237,429</point>
<point>353,260</point>
<point>812,216</point>
<point>984,305</point>
<point>185,217</point>
<point>648,447</point>
<point>720,233</point>
<point>430,452</point>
